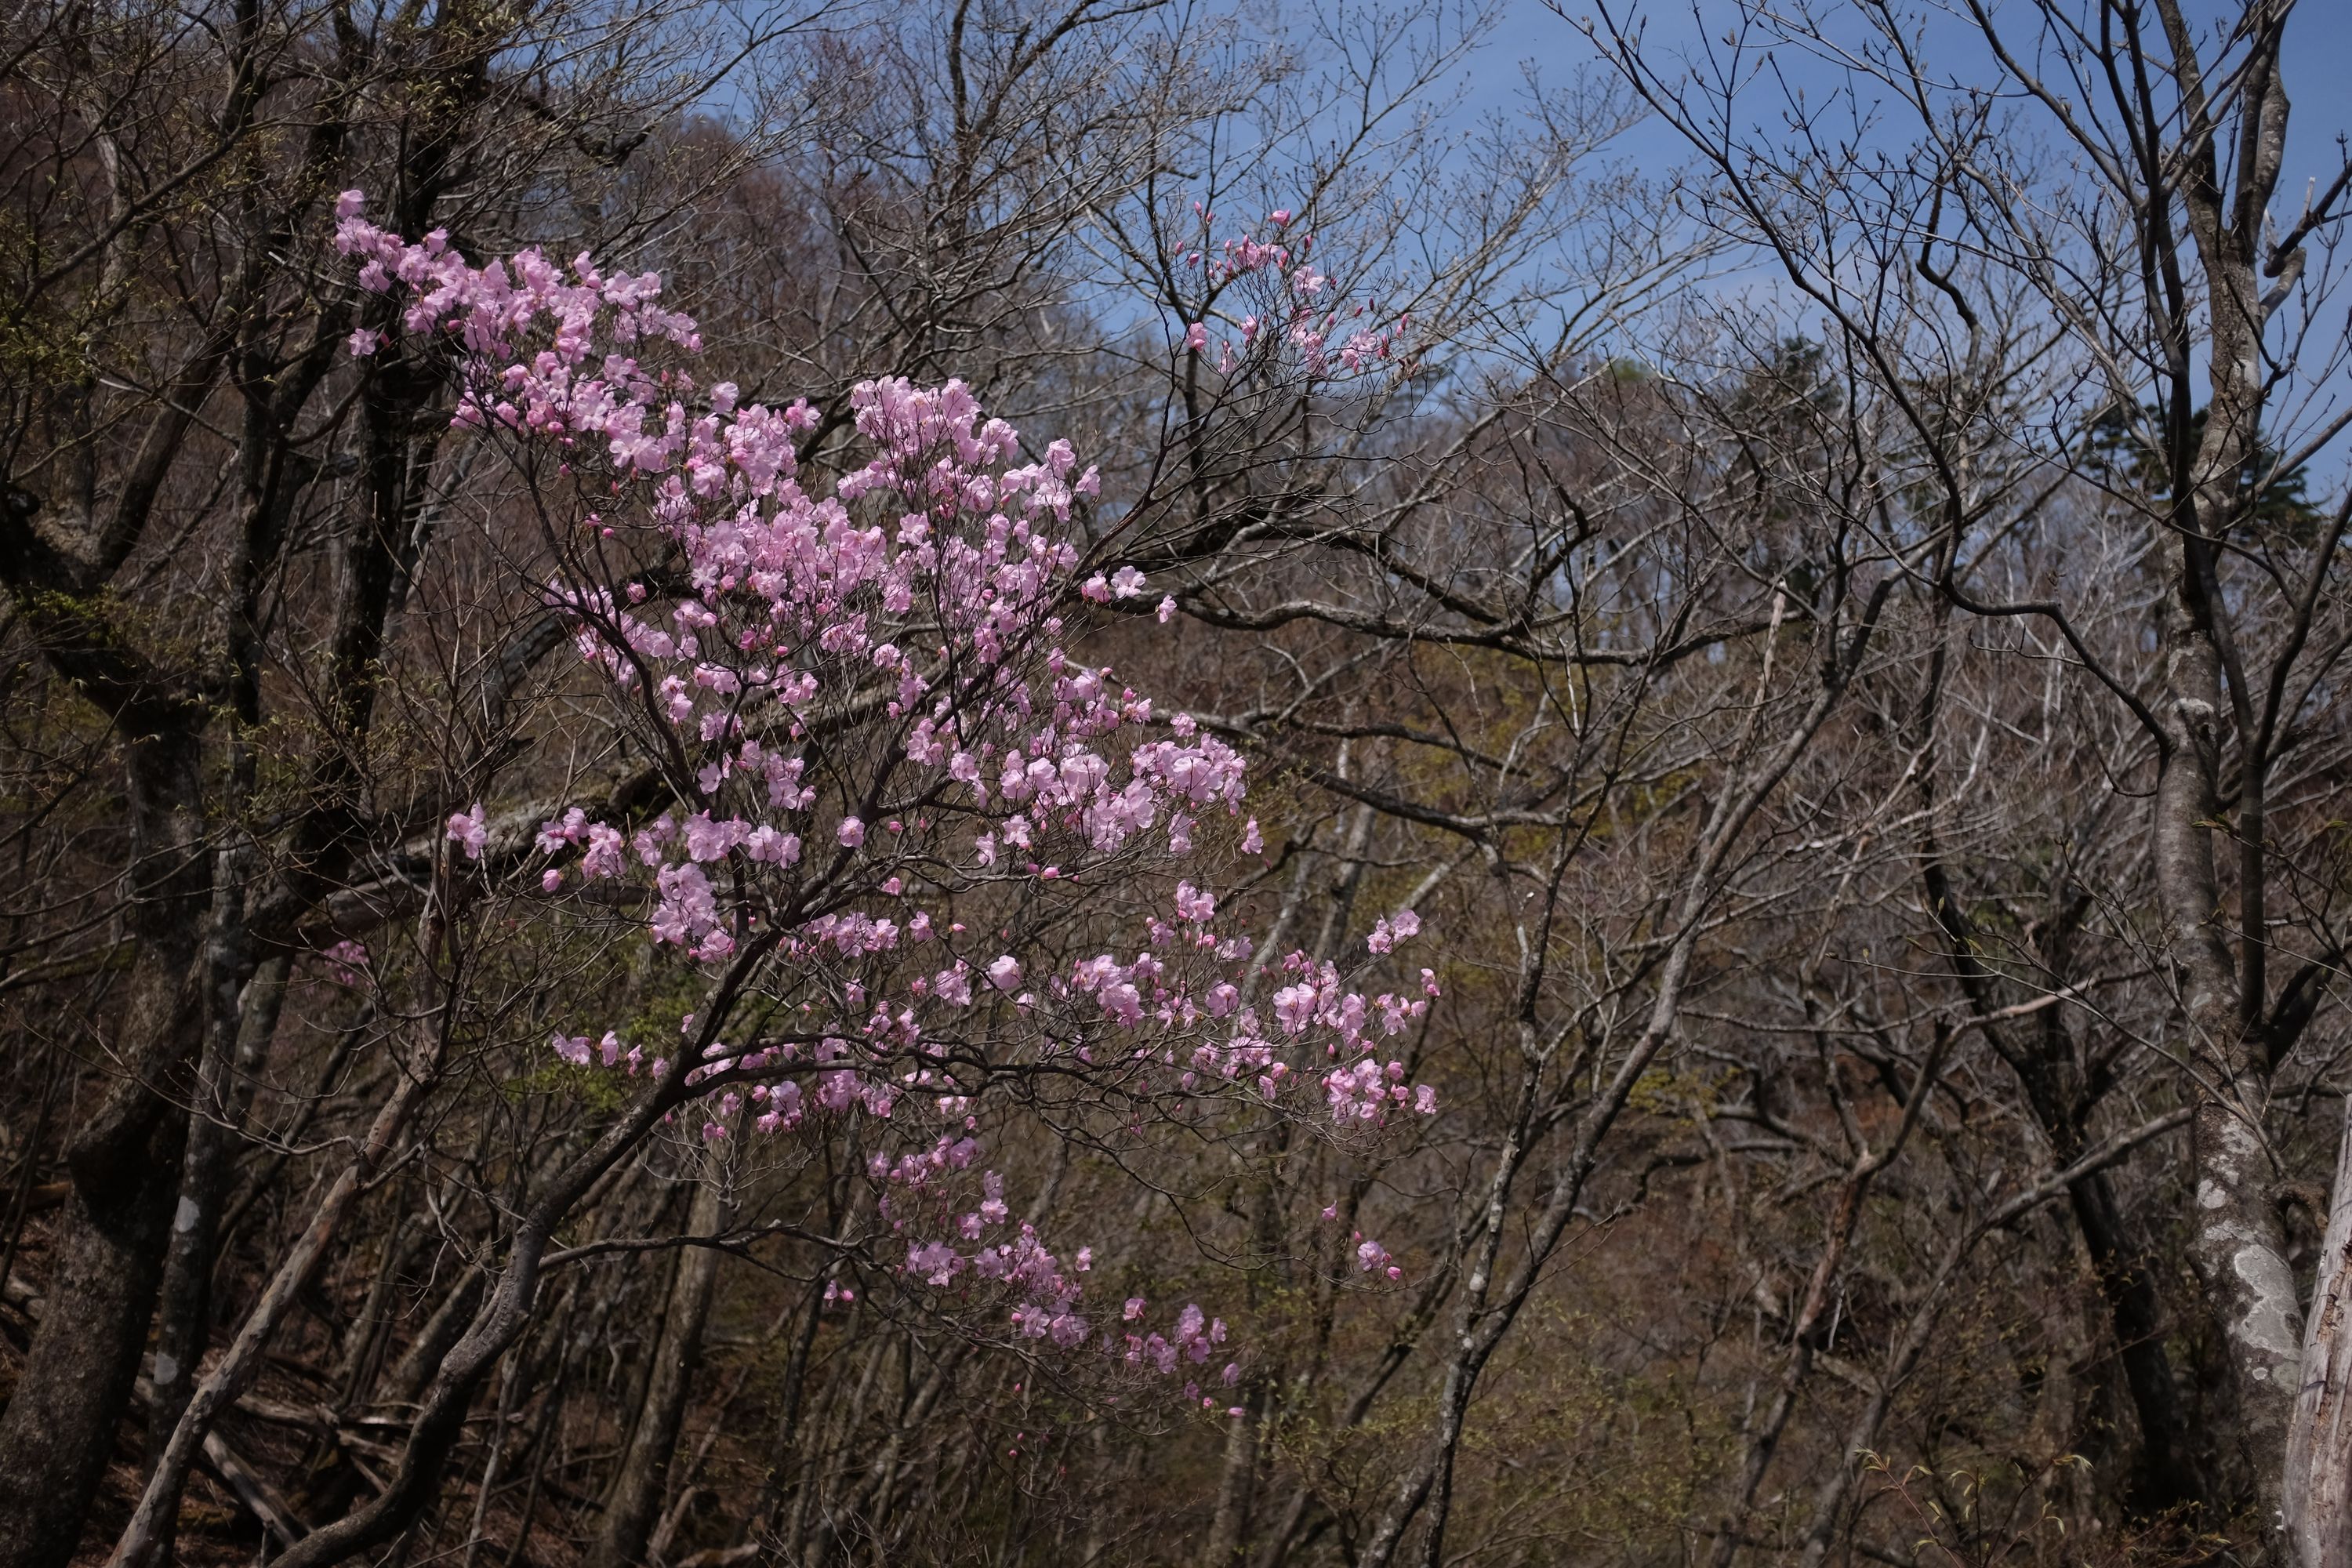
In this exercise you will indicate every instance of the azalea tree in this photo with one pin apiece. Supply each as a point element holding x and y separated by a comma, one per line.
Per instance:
<point>928,873</point>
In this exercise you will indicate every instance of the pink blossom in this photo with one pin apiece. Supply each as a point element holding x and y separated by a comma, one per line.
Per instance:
<point>765,844</point>
<point>1392,930</point>
<point>603,857</point>
<point>1193,904</point>
<point>891,632</point>
<point>470,829</point>
<point>707,840</point>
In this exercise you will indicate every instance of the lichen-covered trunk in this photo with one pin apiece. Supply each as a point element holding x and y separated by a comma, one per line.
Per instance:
<point>2241,1254</point>
<point>2316,1490</point>
<point>2222,179</point>
<point>2236,1241</point>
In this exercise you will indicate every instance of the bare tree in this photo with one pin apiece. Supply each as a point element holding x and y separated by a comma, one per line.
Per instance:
<point>1840,644</point>
<point>2149,326</point>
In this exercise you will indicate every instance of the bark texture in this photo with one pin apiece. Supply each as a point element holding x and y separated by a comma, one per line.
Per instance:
<point>124,1168</point>
<point>2318,1488</point>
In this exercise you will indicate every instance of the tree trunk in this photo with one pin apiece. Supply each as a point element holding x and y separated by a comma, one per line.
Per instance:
<point>2237,1243</point>
<point>60,1428</point>
<point>2236,1240</point>
<point>183,1319</point>
<point>148,1535</point>
<point>2169,1475</point>
<point>2316,1490</point>
<point>644,1473</point>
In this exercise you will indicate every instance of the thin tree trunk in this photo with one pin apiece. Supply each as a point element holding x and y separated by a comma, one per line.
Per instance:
<point>1831,1499</point>
<point>2168,1475</point>
<point>1805,1332</point>
<point>183,1319</point>
<point>148,1530</point>
<point>1481,1321</point>
<point>642,1478</point>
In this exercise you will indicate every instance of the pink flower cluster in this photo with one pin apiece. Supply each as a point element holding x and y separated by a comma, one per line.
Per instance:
<point>922,1184</point>
<point>346,962</point>
<point>1196,1336</point>
<point>471,830</point>
<point>1332,340</point>
<point>882,746</point>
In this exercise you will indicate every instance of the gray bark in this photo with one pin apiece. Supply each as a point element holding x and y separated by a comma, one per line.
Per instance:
<point>2316,1490</point>
<point>2236,1241</point>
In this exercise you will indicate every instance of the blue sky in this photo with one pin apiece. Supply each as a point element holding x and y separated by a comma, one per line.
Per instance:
<point>2319,68</point>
